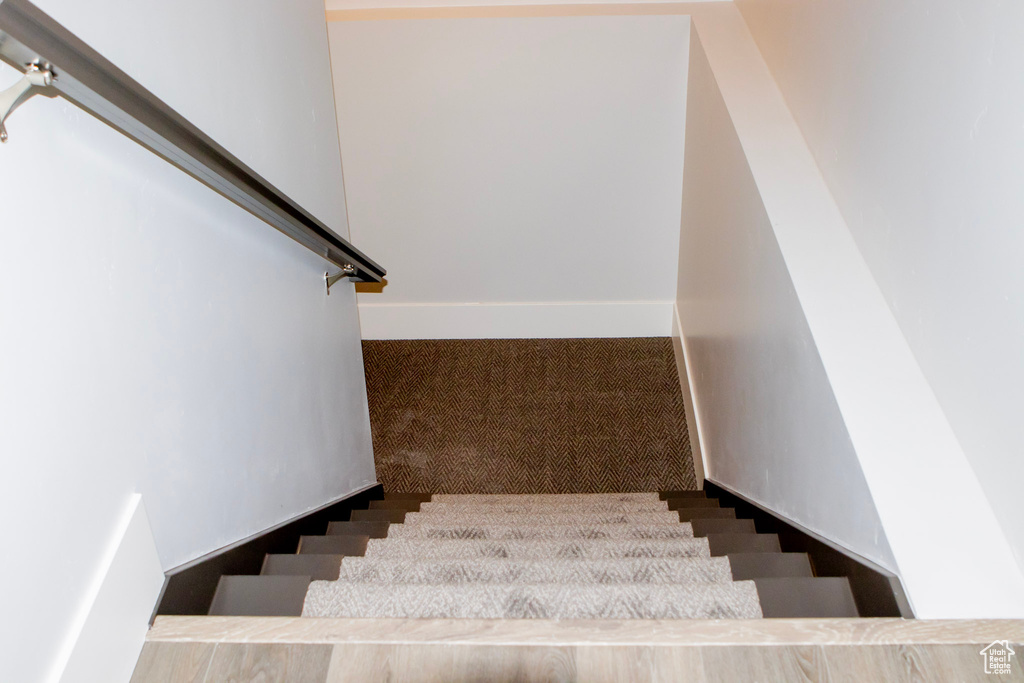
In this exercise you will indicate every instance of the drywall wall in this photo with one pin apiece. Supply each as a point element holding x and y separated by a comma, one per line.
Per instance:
<point>908,453</point>
<point>106,637</point>
<point>769,424</point>
<point>913,113</point>
<point>254,83</point>
<point>532,166</point>
<point>343,5</point>
<point>156,338</point>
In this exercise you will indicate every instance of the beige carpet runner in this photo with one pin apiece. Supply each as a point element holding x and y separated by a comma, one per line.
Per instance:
<point>575,556</point>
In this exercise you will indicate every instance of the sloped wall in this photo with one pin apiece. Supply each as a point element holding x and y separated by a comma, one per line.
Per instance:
<point>907,450</point>
<point>770,425</point>
<point>913,113</point>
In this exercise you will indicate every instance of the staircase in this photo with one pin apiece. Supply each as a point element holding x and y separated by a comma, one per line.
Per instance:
<point>668,555</point>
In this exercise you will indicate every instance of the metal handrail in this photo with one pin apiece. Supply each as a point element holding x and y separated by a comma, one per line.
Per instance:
<point>32,41</point>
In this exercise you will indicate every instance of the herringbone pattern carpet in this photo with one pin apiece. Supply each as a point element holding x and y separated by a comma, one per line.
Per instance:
<point>551,569</point>
<point>527,415</point>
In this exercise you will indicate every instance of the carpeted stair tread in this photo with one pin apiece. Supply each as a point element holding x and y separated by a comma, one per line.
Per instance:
<point>551,498</point>
<point>550,556</point>
<point>697,570</point>
<point>542,518</point>
<point>507,531</point>
<point>538,549</point>
<point>737,600</point>
<point>547,508</point>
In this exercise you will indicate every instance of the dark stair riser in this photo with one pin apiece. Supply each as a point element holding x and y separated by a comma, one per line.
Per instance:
<point>691,514</point>
<point>723,544</point>
<point>260,596</point>
<point>368,529</point>
<point>666,495</point>
<point>393,516</point>
<point>687,503</point>
<point>408,505</point>
<point>421,497</point>
<point>703,527</point>
<point>350,546</point>
<point>747,566</point>
<point>317,567</point>
<point>806,598</point>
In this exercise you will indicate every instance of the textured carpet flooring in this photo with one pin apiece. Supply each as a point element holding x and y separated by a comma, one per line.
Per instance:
<point>454,562</point>
<point>527,415</point>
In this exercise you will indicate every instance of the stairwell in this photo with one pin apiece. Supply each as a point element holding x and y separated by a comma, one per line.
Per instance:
<point>545,527</point>
<point>673,555</point>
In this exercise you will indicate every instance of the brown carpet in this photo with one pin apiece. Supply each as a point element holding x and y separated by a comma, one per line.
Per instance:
<point>527,416</point>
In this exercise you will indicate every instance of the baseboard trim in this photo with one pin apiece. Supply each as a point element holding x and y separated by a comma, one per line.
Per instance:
<point>876,590</point>
<point>690,406</point>
<point>530,320</point>
<point>189,588</point>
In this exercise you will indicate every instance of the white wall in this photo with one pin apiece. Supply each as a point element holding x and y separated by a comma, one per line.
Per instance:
<point>913,113</point>
<point>769,423</point>
<point>909,455</point>
<point>342,5</point>
<point>156,338</point>
<point>530,165</point>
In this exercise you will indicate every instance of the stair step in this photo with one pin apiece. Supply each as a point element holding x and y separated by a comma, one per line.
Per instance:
<point>403,495</point>
<point>665,495</point>
<point>769,565</point>
<point>736,600</point>
<point>696,570</point>
<point>806,598</point>
<point>681,503</point>
<point>723,544</point>
<point>259,596</point>
<point>368,529</point>
<point>333,545</point>
<point>549,498</point>
<point>519,508</point>
<point>540,549</point>
<point>471,531</point>
<point>703,527</point>
<point>541,518</point>
<point>393,516</point>
<point>690,514</point>
<point>407,504</point>
<point>317,567</point>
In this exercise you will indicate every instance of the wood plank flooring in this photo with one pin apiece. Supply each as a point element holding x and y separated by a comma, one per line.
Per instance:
<point>827,650</point>
<point>417,663</point>
<point>586,632</point>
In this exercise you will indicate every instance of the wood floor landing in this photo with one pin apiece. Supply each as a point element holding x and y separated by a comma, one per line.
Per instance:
<point>332,650</point>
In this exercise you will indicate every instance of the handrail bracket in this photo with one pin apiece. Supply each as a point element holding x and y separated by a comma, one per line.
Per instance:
<point>347,270</point>
<point>37,81</point>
